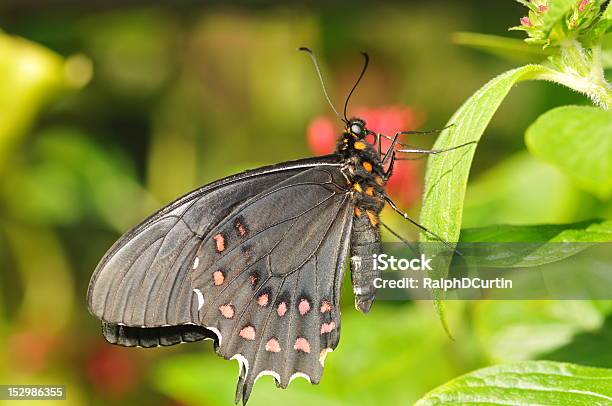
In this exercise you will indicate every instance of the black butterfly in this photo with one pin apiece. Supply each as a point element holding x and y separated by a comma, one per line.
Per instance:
<point>255,261</point>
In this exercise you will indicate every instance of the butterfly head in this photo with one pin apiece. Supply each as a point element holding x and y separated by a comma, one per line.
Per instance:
<point>357,128</point>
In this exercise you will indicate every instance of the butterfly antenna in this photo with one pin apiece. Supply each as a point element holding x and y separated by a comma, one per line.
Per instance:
<point>315,61</point>
<point>366,60</point>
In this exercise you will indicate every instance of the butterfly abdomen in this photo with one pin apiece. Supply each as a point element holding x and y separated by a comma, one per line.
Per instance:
<point>365,243</point>
<point>365,176</point>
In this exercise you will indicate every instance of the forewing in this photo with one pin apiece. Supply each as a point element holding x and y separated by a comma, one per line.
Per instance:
<point>143,280</point>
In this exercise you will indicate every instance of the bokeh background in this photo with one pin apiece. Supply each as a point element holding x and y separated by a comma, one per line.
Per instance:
<point>108,110</point>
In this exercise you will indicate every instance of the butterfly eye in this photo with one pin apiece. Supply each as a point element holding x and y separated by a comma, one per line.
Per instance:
<point>357,129</point>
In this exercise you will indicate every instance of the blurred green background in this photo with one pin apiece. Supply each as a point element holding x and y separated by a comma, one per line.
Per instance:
<point>107,112</point>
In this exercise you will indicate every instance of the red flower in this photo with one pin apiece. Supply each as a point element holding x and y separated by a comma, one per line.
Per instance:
<point>405,184</point>
<point>321,137</point>
<point>31,350</point>
<point>112,370</point>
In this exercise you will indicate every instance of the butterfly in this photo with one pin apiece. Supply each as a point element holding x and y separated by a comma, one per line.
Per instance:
<point>255,261</point>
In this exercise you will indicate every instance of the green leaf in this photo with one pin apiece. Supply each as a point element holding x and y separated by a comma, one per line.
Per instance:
<point>587,348</point>
<point>607,14</point>
<point>30,76</point>
<point>519,330</point>
<point>536,245</point>
<point>522,189</point>
<point>601,27</point>
<point>527,383</point>
<point>447,173</point>
<point>584,231</point>
<point>577,140</point>
<point>514,50</point>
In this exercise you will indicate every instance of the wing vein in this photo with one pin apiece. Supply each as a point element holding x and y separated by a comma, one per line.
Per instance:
<point>108,292</point>
<point>260,196</point>
<point>238,274</point>
<point>163,239</point>
<point>329,226</point>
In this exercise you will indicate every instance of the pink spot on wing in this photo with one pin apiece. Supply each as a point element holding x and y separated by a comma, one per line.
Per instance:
<point>325,306</point>
<point>272,345</point>
<point>327,327</point>
<point>304,306</point>
<point>242,231</point>
<point>301,344</point>
<point>542,8</point>
<point>253,278</point>
<point>220,242</point>
<point>218,278</point>
<point>525,21</point>
<point>262,300</point>
<point>582,5</point>
<point>248,333</point>
<point>281,309</point>
<point>227,311</point>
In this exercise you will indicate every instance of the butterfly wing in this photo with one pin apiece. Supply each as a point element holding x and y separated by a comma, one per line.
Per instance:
<point>278,312</point>
<point>254,261</point>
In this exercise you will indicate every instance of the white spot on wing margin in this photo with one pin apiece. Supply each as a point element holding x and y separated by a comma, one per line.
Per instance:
<point>273,374</point>
<point>218,334</point>
<point>324,353</point>
<point>198,292</point>
<point>196,262</point>
<point>299,375</point>
<point>242,361</point>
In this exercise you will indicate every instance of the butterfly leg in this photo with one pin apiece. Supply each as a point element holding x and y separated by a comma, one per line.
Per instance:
<point>412,247</point>
<point>423,228</point>
<point>391,148</point>
<point>389,170</point>
<point>413,150</point>
<point>379,144</point>
<point>416,133</point>
<point>394,141</point>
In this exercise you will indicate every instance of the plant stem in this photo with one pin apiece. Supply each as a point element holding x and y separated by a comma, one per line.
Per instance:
<point>581,71</point>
